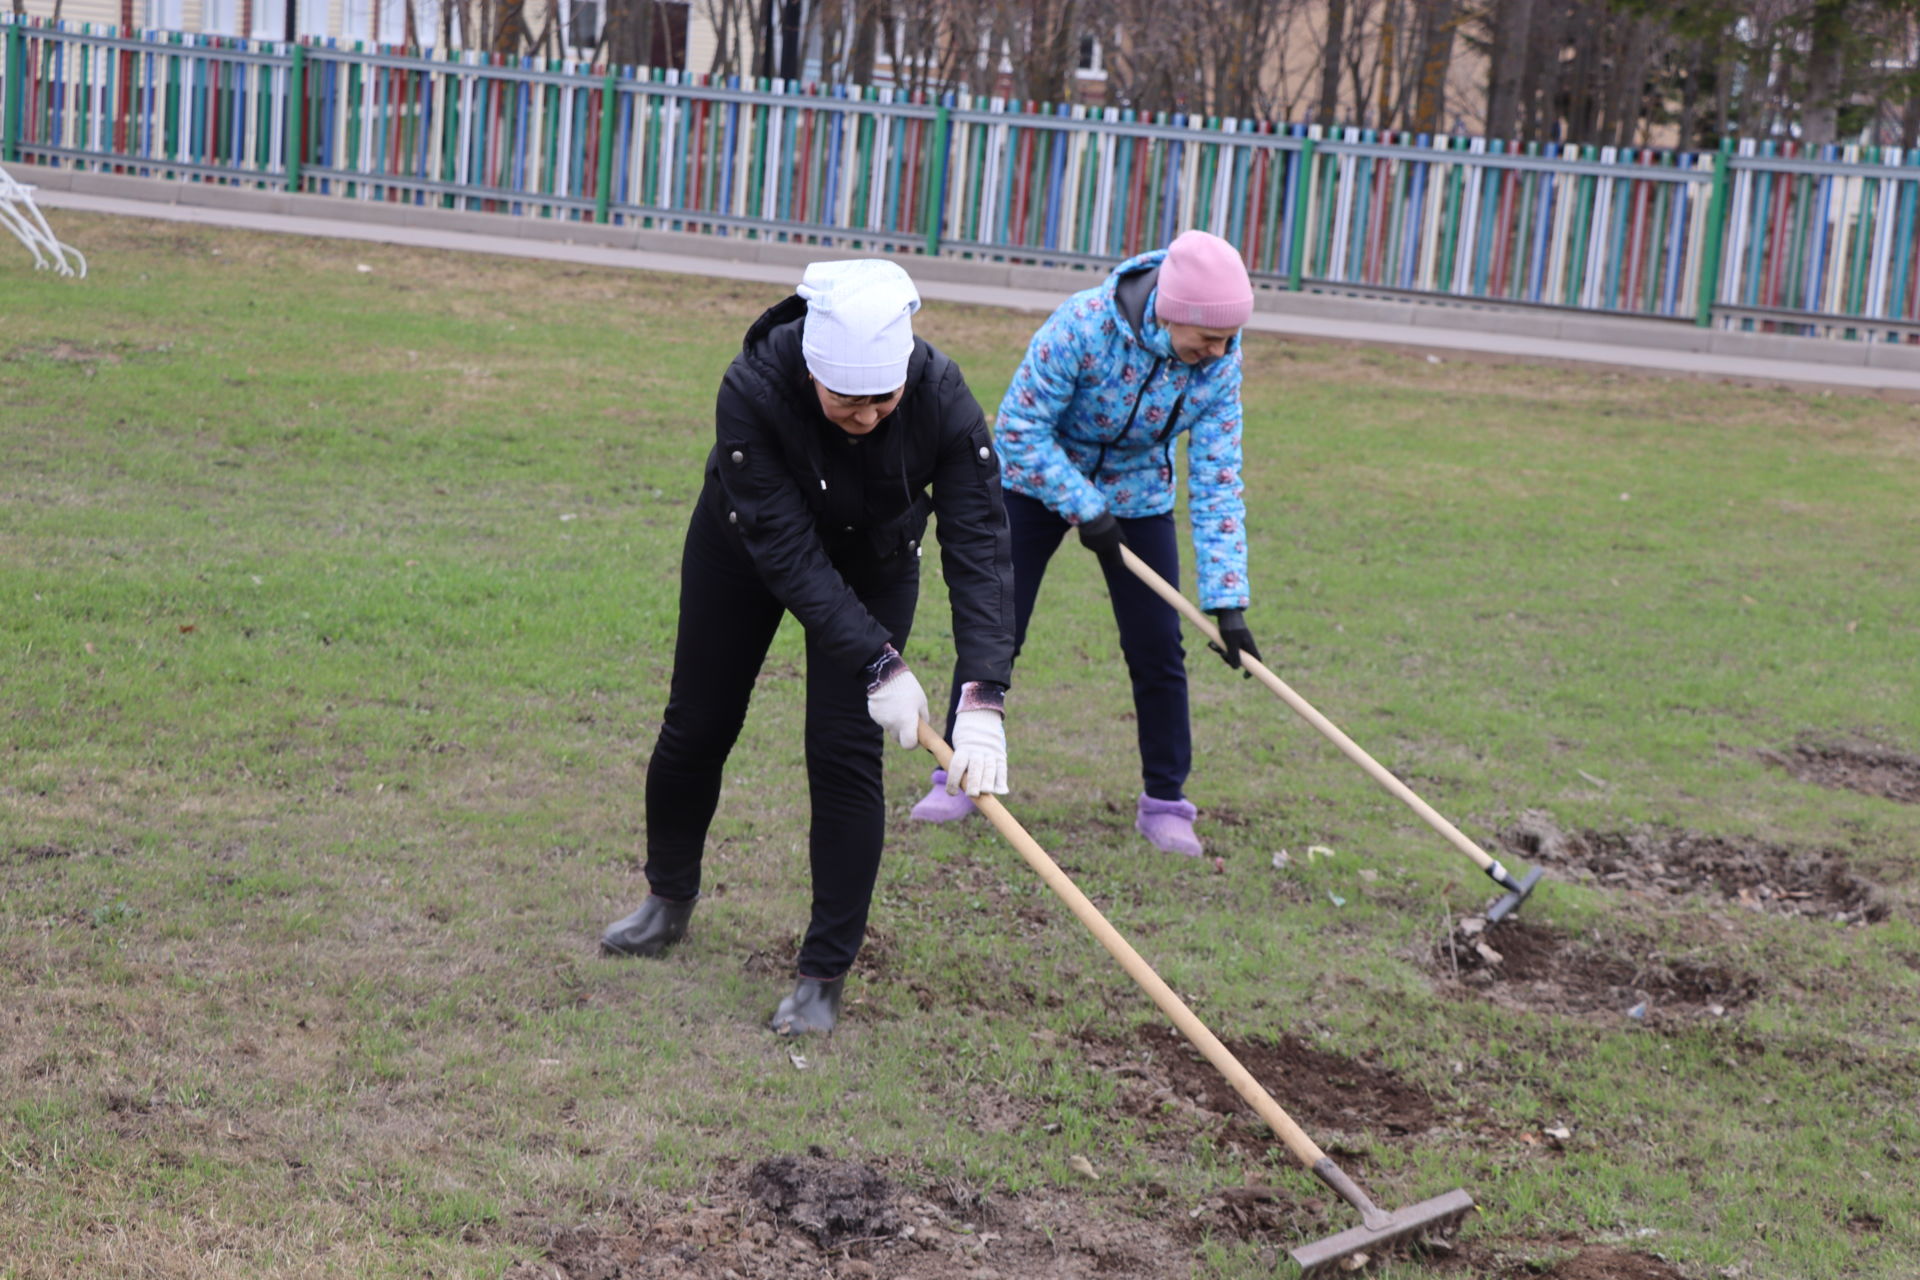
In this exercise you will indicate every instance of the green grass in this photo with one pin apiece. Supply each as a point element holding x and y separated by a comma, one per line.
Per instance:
<point>336,614</point>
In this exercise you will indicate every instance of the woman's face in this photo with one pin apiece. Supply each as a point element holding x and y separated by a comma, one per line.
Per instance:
<point>1194,343</point>
<point>856,415</point>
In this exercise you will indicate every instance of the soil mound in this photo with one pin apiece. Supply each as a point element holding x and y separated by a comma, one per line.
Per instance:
<point>1666,862</point>
<point>1597,1262</point>
<point>1524,965</point>
<point>831,1200</point>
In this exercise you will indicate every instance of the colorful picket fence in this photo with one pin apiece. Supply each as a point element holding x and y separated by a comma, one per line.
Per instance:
<point>1837,235</point>
<point>1754,233</point>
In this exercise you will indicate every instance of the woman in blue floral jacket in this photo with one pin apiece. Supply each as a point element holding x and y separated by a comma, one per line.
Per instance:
<point>1086,437</point>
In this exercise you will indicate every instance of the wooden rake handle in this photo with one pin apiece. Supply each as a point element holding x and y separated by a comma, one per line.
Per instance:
<point>1303,1148</point>
<point>1165,590</point>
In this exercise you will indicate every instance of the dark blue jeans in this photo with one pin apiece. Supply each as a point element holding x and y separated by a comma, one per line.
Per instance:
<point>1149,633</point>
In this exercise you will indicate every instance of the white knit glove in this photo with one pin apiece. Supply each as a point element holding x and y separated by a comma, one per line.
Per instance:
<point>979,754</point>
<point>895,699</point>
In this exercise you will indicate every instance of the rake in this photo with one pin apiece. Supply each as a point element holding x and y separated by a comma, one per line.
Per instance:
<point>1517,891</point>
<point>1378,1228</point>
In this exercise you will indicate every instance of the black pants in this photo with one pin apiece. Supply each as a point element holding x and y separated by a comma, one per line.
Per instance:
<point>1149,634</point>
<point>727,621</point>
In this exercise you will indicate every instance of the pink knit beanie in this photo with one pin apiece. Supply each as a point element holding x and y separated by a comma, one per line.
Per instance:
<point>1203,282</point>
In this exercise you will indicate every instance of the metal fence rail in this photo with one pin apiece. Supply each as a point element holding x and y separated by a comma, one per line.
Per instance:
<point>1813,242</point>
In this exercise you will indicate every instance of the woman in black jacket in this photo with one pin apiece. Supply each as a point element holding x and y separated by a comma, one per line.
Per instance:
<point>838,433</point>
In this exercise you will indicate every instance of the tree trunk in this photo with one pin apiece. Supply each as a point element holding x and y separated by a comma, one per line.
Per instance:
<point>1826,66</point>
<point>866,36</point>
<point>1630,80</point>
<point>1549,96</point>
<point>1513,20</point>
<point>1910,117</point>
<point>1588,54</point>
<point>1053,51</point>
<point>1436,60</point>
<point>1388,40</point>
<point>1332,51</point>
<point>720,17</point>
<point>1690,96</point>
<point>1910,113</point>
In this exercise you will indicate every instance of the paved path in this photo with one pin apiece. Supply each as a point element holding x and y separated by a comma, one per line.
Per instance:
<point>1900,383</point>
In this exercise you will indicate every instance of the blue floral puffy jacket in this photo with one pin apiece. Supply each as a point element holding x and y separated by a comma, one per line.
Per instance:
<point>1088,424</point>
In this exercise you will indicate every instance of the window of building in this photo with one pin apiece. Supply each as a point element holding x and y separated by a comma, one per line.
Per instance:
<point>269,20</point>
<point>581,20</point>
<point>220,17</point>
<point>1092,64</point>
<point>311,19</point>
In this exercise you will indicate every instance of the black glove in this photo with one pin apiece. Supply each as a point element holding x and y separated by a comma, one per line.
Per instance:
<point>1101,535</point>
<point>1234,638</point>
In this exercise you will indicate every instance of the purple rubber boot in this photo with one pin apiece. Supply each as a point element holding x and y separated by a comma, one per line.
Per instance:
<point>938,806</point>
<point>1169,825</point>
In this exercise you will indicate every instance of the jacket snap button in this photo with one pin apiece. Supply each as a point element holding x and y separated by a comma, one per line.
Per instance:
<point>911,544</point>
<point>733,517</point>
<point>985,453</point>
<point>849,529</point>
<point>738,457</point>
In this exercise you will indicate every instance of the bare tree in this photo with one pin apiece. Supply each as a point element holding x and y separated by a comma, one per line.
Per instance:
<point>1223,57</point>
<point>1439,19</point>
<point>1332,56</point>
<point>1507,55</point>
<point>1618,72</point>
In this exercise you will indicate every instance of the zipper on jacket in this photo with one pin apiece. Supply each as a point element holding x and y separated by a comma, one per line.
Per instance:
<point>1099,459</point>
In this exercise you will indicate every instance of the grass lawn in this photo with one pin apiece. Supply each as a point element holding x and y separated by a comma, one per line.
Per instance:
<point>337,593</point>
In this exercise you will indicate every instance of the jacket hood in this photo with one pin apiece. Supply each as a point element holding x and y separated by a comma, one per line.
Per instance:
<point>1129,291</point>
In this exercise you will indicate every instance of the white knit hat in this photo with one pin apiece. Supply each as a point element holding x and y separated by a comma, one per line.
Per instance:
<point>858,336</point>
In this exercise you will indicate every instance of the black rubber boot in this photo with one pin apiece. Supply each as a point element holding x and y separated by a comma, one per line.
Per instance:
<point>814,1007</point>
<point>657,925</point>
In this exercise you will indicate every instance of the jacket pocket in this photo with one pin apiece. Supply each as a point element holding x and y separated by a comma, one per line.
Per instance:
<point>902,534</point>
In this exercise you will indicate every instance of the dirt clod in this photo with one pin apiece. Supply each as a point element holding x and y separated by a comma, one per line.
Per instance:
<point>831,1200</point>
<point>1543,971</point>
<point>1665,862</point>
<point>1870,770</point>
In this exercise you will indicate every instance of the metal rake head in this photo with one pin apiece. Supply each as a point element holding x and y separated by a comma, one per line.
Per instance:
<point>1437,1216</point>
<point>1512,900</point>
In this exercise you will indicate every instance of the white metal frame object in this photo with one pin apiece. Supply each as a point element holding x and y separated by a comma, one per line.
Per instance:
<point>20,215</point>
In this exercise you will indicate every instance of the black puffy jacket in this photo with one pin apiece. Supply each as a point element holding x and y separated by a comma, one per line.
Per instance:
<point>807,499</point>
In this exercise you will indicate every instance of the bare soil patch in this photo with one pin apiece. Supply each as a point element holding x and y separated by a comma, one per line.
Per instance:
<point>813,1216</point>
<point>1664,862</point>
<point>1870,770</point>
<point>1525,965</point>
<point>1599,1262</point>
<point>1322,1090</point>
<point>22,854</point>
